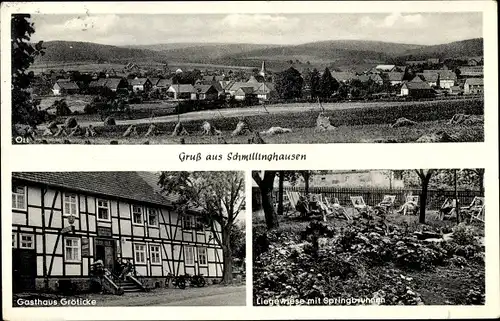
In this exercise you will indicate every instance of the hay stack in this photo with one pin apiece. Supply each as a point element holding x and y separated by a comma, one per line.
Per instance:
<point>152,131</point>
<point>70,122</point>
<point>466,119</point>
<point>131,131</point>
<point>209,129</point>
<point>113,142</point>
<point>276,130</point>
<point>323,123</point>
<point>77,131</point>
<point>403,122</point>
<point>87,142</point>
<point>256,139</point>
<point>48,132</point>
<point>109,121</point>
<point>61,132</point>
<point>438,137</point>
<point>179,130</point>
<point>90,132</point>
<point>241,128</point>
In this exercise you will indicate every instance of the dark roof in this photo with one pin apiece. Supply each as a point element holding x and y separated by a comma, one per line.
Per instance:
<point>123,185</point>
<point>475,81</point>
<point>204,88</point>
<point>417,85</point>
<point>343,75</point>
<point>183,88</point>
<point>431,76</point>
<point>245,90</point>
<point>164,83</point>
<point>395,76</point>
<point>113,83</point>
<point>67,85</point>
<point>447,75</point>
<point>138,81</point>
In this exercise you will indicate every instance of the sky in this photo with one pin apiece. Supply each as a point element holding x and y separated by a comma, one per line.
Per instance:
<point>282,29</point>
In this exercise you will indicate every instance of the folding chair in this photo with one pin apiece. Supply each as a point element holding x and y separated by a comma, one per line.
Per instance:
<point>413,210</point>
<point>293,198</point>
<point>358,203</point>
<point>448,208</point>
<point>476,209</point>
<point>388,203</point>
<point>337,208</point>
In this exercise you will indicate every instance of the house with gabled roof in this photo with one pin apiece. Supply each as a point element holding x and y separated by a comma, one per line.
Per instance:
<point>182,91</point>
<point>65,86</point>
<point>140,84</point>
<point>447,78</point>
<point>244,93</point>
<point>385,68</point>
<point>394,78</point>
<point>65,222</point>
<point>343,76</point>
<point>431,77</point>
<point>206,92</point>
<point>417,90</point>
<point>474,86</point>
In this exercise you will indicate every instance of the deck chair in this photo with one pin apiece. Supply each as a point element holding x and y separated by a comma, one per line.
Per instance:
<point>448,209</point>
<point>358,203</point>
<point>475,209</point>
<point>407,209</point>
<point>388,203</point>
<point>293,198</point>
<point>337,208</point>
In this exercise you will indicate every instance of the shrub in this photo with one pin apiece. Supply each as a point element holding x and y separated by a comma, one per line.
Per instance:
<point>464,234</point>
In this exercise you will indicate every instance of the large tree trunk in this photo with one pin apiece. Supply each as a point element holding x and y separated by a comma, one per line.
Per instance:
<point>480,174</point>
<point>305,174</point>
<point>266,185</point>
<point>457,206</point>
<point>227,276</point>
<point>423,198</point>
<point>280,192</point>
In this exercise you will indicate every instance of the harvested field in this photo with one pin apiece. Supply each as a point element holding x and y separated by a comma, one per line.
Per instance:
<point>368,124</point>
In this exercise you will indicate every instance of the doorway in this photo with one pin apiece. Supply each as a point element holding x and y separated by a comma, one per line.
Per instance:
<point>23,270</point>
<point>105,251</point>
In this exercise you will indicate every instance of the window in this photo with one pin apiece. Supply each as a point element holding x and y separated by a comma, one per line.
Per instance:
<point>152,217</point>
<point>14,240</point>
<point>136,214</point>
<point>70,204</point>
<point>200,224</point>
<point>154,251</point>
<point>187,222</point>
<point>103,210</point>
<point>202,256</point>
<point>19,197</point>
<point>140,253</point>
<point>189,255</point>
<point>26,241</point>
<point>72,249</point>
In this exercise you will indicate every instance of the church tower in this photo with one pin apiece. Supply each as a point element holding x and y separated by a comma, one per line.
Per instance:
<point>263,71</point>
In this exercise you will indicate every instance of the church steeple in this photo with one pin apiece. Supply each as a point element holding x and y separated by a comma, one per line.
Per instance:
<point>263,69</point>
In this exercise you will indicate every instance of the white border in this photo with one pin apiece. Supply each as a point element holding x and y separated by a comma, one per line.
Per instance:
<point>333,156</point>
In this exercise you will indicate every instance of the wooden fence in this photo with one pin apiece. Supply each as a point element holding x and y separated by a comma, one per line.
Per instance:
<point>373,196</point>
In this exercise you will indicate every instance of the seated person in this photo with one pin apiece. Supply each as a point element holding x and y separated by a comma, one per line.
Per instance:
<point>303,206</point>
<point>448,207</point>
<point>408,206</point>
<point>387,201</point>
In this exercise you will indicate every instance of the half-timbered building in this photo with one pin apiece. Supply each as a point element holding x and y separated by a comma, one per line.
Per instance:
<point>63,222</point>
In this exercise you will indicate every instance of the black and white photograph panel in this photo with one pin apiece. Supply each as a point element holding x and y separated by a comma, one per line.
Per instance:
<point>247,78</point>
<point>128,239</point>
<point>368,237</point>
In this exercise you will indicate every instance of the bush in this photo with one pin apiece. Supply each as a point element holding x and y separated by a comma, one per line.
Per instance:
<point>90,109</point>
<point>464,235</point>
<point>70,122</point>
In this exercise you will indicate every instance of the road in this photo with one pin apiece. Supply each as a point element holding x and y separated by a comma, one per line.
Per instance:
<point>251,111</point>
<point>207,296</point>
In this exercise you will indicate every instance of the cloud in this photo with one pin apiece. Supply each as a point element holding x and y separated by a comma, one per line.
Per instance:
<point>400,19</point>
<point>366,21</point>
<point>259,21</point>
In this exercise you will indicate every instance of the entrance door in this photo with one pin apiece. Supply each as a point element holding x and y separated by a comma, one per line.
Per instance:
<point>105,251</point>
<point>23,270</point>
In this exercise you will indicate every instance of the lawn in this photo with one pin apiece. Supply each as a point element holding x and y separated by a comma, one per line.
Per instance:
<point>369,258</point>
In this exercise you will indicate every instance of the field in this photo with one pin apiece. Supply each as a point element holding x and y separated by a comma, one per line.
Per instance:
<point>364,259</point>
<point>354,122</point>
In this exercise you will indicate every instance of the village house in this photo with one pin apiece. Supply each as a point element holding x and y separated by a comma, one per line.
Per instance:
<point>395,78</point>
<point>376,78</point>
<point>266,91</point>
<point>385,68</point>
<point>416,90</point>
<point>65,86</point>
<point>468,72</point>
<point>447,78</point>
<point>343,76</point>
<point>140,84</point>
<point>474,86</point>
<point>114,84</point>
<point>416,62</point>
<point>431,77</point>
<point>206,92</point>
<point>163,84</point>
<point>455,90</point>
<point>433,61</point>
<point>244,93</point>
<point>182,91</point>
<point>63,222</point>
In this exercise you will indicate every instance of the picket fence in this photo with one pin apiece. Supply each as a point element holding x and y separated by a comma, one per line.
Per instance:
<point>373,196</point>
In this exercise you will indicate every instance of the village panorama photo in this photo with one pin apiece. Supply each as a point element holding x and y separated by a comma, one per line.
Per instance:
<point>369,237</point>
<point>128,239</point>
<point>247,78</point>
